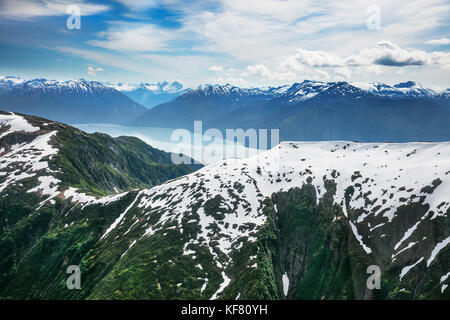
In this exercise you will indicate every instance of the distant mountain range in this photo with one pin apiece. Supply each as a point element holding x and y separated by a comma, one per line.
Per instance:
<point>74,101</point>
<point>311,110</point>
<point>152,94</point>
<point>314,110</point>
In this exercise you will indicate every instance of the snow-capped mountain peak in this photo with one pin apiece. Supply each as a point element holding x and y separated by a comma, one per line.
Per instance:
<point>156,88</point>
<point>45,85</point>
<point>70,101</point>
<point>403,89</point>
<point>309,89</point>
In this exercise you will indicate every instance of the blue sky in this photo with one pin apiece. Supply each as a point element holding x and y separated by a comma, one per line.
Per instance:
<point>242,42</point>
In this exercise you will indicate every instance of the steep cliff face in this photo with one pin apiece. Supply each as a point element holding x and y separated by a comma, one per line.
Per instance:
<point>300,221</point>
<point>319,257</point>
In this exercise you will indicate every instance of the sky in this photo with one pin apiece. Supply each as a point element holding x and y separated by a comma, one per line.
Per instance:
<point>242,42</point>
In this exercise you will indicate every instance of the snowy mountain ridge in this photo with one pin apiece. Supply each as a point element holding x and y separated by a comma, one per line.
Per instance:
<point>296,92</point>
<point>81,85</point>
<point>308,89</point>
<point>72,101</point>
<point>382,177</point>
<point>156,88</point>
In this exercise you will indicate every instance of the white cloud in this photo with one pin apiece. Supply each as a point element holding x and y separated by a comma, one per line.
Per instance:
<point>314,59</point>
<point>104,58</point>
<point>287,11</point>
<point>215,68</point>
<point>133,37</point>
<point>242,28</point>
<point>343,72</point>
<point>375,69</point>
<point>25,9</point>
<point>320,74</point>
<point>261,71</point>
<point>384,53</point>
<point>260,39</point>
<point>92,71</point>
<point>440,41</point>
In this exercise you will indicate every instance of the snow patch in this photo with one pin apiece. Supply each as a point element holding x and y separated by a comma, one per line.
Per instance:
<point>285,280</point>
<point>16,123</point>
<point>223,285</point>
<point>441,245</point>
<point>119,219</point>
<point>406,269</point>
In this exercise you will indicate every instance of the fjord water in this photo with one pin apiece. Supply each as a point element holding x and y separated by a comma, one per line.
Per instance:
<point>160,138</point>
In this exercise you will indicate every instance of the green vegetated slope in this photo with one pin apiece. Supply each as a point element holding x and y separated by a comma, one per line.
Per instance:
<point>37,166</point>
<point>99,164</point>
<point>321,257</point>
